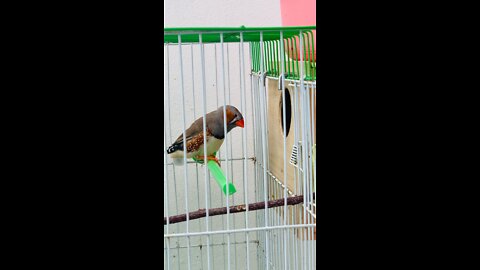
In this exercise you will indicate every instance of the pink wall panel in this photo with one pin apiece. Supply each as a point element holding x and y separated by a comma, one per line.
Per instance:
<point>299,13</point>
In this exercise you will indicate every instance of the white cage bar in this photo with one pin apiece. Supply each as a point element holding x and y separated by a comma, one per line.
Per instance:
<point>269,75</point>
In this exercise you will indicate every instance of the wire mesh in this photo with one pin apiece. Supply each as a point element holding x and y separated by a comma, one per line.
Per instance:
<point>275,91</point>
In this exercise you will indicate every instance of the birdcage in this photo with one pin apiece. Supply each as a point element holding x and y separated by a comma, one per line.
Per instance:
<point>257,210</point>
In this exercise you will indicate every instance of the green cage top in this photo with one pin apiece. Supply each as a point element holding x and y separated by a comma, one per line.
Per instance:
<point>258,37</point>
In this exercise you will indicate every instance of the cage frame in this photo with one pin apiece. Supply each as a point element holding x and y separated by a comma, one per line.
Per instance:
<point>266,49</point>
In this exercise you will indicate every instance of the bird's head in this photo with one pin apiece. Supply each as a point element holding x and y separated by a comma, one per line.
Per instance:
<point>234,117</point>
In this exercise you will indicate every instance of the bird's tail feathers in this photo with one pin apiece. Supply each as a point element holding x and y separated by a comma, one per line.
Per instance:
<point>174,147</point>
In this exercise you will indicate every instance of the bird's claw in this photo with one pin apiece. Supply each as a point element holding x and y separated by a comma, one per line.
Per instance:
<point>214,158</point>
<point>217,161</point>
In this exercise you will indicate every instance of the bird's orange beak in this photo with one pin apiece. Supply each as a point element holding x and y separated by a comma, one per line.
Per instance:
<point>240,123</point>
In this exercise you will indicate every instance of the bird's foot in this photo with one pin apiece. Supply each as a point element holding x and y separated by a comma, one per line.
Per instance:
<point>214,158</point>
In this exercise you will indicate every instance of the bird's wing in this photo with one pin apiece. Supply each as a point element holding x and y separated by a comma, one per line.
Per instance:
<point>195,129</point>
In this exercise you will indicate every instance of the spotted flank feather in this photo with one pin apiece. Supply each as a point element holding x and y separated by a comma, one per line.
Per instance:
<point>193,143</point>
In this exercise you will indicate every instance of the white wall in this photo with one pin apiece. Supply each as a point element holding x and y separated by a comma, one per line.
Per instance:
<point>185,13</point>
<point>211,13</point>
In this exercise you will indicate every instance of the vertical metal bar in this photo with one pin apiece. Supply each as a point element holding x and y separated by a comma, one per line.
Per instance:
<point>252,61</point>
<point>295,54</point>
<point>309,217</point>
<point>254,135</point>
<point>291,42</point>
<point>289,59</point>
<point>230,157</point>
<point>260,59</point>
<point>264,142</point>
<point>311,172</point>
<point>305,51</point>
<point>312,59</point>
<point>195,117</point>
<point>226,142</point>
<point>165,178</point>
<point>296,175</point>
<point>282,83</point>
<point>310,50</point>
<point>259,183</point>
<point>253,56</point>
<point>292,59</point>
<point>274,59</point>
<point>265,56</point>
<point>307,58</point>
<point>257,55</point>
<point>271,69</point>
<point>304,148</point>
<point>184,146</point>
<point>256,46</point>
<point>315,162</point>
<point>307,129</point>
<point>279,233</point>
<point>315,140</point>
<point>243,106</point>
<point>228,76</point>
<point>260,158</point>
<point>207,224</point>
<point>277,57</point>
<point>216,76</point>
<point>285,62</point>
<point>268,59</point>
<point>253,86</point>
<point>220,152</point>
<point>171,139</point>
<point>308,182</point>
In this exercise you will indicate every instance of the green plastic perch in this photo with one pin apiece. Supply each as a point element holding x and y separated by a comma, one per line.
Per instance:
<point>219,176</point>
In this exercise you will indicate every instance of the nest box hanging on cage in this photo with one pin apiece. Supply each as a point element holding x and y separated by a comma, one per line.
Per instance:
<point>291,114</point>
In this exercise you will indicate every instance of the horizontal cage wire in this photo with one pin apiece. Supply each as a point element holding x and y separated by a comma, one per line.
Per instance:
<point>239,187</point>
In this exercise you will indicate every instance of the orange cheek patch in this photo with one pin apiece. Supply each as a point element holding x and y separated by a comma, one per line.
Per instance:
<point>230,116</point>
